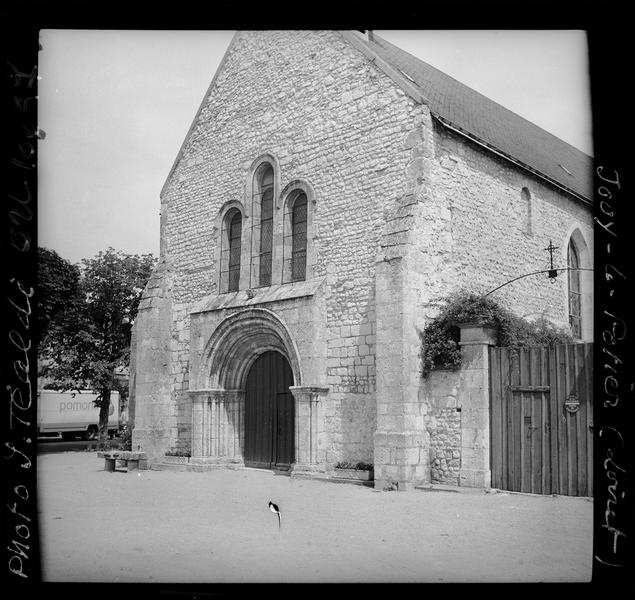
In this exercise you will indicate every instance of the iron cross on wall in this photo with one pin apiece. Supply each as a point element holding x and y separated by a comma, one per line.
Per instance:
<point>553,273</point>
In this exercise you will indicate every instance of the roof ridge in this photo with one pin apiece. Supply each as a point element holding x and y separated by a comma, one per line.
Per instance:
<point>385,42</point>
<point>454,103</point>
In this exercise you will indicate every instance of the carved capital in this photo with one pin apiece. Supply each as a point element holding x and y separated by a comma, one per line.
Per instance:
<point>308,393</point>
<point>199,396</point>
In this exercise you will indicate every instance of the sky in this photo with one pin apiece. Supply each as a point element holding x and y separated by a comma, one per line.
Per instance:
<point>116,106</point>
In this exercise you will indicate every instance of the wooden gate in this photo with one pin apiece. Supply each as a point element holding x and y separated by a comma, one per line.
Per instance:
<point>269,413</point>
<point>542,419</point>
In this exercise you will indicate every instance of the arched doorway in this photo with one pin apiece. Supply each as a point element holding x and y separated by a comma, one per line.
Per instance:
<point>250,360</point>
<point>269,413</point>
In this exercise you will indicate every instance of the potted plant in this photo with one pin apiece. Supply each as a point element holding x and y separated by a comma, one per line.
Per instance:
<point>354,470</point>
<point>177,456</point>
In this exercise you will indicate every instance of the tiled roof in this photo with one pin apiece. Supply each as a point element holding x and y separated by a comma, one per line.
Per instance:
<point>492,124</point>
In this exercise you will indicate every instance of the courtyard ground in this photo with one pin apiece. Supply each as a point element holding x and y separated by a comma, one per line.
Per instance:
<point>183,527</point>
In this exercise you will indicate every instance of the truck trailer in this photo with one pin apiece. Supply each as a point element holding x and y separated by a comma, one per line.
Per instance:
<point>71,414</point>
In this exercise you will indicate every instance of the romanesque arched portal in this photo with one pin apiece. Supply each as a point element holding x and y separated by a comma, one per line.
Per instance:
<point>237,346</point>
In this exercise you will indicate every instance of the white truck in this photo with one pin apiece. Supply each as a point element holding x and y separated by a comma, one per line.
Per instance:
<point>73,413</point>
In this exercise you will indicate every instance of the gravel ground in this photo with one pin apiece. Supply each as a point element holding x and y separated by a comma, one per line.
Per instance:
<point>181,527</point>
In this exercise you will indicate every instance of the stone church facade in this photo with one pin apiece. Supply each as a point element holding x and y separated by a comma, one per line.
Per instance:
<point>331,191</point>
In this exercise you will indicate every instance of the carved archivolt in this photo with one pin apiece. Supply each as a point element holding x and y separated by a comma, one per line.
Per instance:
<point>238,341</point>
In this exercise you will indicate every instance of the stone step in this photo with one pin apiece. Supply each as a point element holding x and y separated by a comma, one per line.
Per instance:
<point>443,487</point>
<point>351,481</point>
<point>157,466</point>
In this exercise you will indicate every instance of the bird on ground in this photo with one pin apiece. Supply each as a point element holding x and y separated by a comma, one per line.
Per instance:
<point>274,509</point>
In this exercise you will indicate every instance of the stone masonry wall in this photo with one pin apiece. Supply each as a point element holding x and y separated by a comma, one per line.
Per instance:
<point>405,270</point>
<point>440,390</point>
<point>332,118</point>
<point>445,445</point>
<point>152,400</point>
<point>497,235</point>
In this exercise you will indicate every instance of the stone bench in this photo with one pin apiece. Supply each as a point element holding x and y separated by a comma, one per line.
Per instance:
<point>131,459</point>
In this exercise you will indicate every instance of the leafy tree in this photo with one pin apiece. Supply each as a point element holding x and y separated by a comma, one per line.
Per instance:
<point>90,340</point>
<point>58,286</point>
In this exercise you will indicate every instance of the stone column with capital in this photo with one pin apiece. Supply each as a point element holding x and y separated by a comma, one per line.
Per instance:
<point>218,432</point>
<point>200,415</point>
<point>473,394</point>
<point>234,426</point>
<point>307,429</point>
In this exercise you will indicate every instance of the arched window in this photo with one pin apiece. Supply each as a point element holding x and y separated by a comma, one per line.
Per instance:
<point>295,237</point>
<point>575,293</point>
<point>230,251</point>
<point>262,228</point>
<point>525,196</point>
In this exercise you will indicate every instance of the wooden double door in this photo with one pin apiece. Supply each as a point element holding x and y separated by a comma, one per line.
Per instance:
<point>269,413</point>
